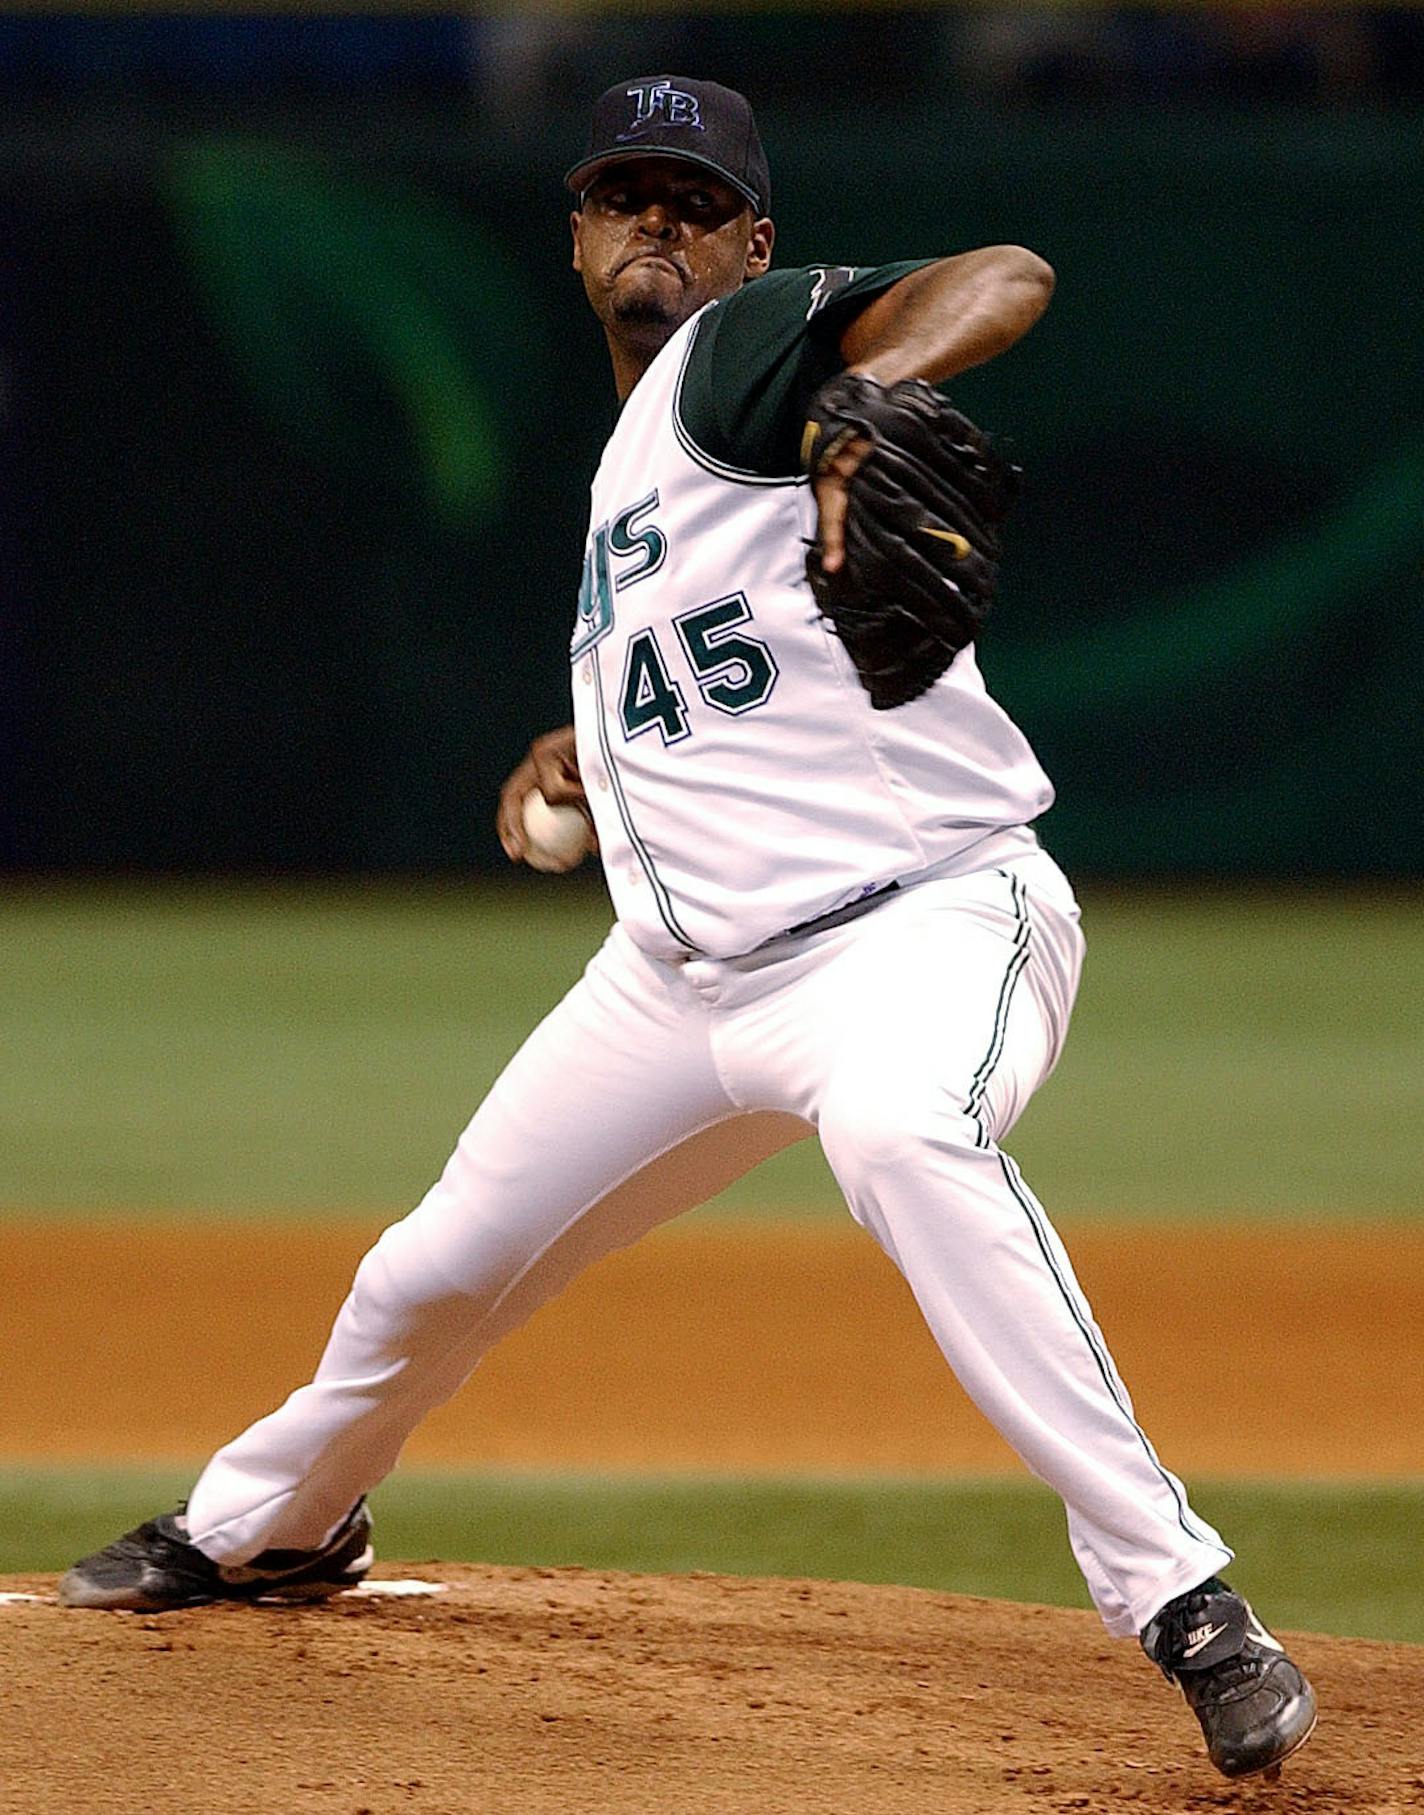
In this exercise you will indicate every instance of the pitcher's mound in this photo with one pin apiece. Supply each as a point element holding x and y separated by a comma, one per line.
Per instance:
<point>528,1690</point>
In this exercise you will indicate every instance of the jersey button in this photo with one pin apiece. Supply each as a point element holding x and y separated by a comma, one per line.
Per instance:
<point>601,783</point>
<point>635,875</point>
<point>586,672</point>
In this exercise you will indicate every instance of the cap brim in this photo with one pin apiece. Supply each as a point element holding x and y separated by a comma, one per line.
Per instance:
<point>579,178</point>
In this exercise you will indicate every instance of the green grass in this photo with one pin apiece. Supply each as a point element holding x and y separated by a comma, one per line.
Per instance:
<point>317,1051</point>
<point>1340,1558</point>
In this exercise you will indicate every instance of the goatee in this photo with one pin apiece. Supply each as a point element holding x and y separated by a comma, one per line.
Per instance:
<point>645,310</point>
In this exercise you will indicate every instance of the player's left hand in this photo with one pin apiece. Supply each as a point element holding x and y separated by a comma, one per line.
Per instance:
<point>910,499</point>
<point>832,489</point>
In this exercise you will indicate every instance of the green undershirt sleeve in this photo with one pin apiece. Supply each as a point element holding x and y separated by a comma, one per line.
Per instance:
<point>757,356</point>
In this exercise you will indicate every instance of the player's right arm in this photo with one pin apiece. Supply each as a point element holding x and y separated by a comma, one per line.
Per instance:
<point>949,315</point>
<point>551,766</point>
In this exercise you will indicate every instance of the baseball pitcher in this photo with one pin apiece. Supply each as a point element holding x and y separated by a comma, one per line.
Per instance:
<point>833,912</point>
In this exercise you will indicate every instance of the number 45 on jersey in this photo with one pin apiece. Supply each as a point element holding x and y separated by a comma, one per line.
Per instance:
<point>733,672</point>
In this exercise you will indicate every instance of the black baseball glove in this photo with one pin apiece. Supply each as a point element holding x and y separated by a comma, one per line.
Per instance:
<point>921,531</point>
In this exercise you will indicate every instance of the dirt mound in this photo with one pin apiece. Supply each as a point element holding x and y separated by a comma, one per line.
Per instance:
<point>566,1690</point>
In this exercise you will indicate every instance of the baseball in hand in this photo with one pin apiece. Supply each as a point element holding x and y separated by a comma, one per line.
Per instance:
<point>558,837</point>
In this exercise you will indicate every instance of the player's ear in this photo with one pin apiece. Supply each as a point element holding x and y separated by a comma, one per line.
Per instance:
<point>575,227</point>
<point>759,248</point>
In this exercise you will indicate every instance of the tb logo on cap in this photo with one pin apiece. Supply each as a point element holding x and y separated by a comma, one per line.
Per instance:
<point>674,105</point>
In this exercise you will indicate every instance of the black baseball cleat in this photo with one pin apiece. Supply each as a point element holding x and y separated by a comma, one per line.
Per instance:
<point>1254,1705</point>
<point>155,1567</point>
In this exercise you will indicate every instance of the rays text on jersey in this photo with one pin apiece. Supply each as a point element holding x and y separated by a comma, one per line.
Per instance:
<point>622,551</point>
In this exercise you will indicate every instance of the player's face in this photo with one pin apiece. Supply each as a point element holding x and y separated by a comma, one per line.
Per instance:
<point>657,238</point>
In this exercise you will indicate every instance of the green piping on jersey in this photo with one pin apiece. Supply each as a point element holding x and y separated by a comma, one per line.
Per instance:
<point>660,891</point>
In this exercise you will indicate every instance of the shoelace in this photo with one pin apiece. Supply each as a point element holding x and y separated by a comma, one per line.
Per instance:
<point>1231,1673</point>
<point>140,1543</point>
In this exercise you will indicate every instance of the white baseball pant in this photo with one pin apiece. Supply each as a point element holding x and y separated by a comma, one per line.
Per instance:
<point>910,1038</point>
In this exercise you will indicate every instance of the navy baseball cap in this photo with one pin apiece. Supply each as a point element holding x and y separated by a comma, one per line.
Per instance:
<point>677,117</point>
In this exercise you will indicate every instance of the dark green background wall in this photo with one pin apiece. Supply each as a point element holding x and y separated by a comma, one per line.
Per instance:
<point>302,425</point>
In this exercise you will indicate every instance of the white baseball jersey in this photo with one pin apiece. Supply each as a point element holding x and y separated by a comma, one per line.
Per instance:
<point>740,781</point>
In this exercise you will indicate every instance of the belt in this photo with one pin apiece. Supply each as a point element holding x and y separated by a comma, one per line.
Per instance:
<point>822,923</point>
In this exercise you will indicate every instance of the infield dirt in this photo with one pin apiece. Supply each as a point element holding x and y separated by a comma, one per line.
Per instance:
<point>524,1691</point>
<point>736,1349</point>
